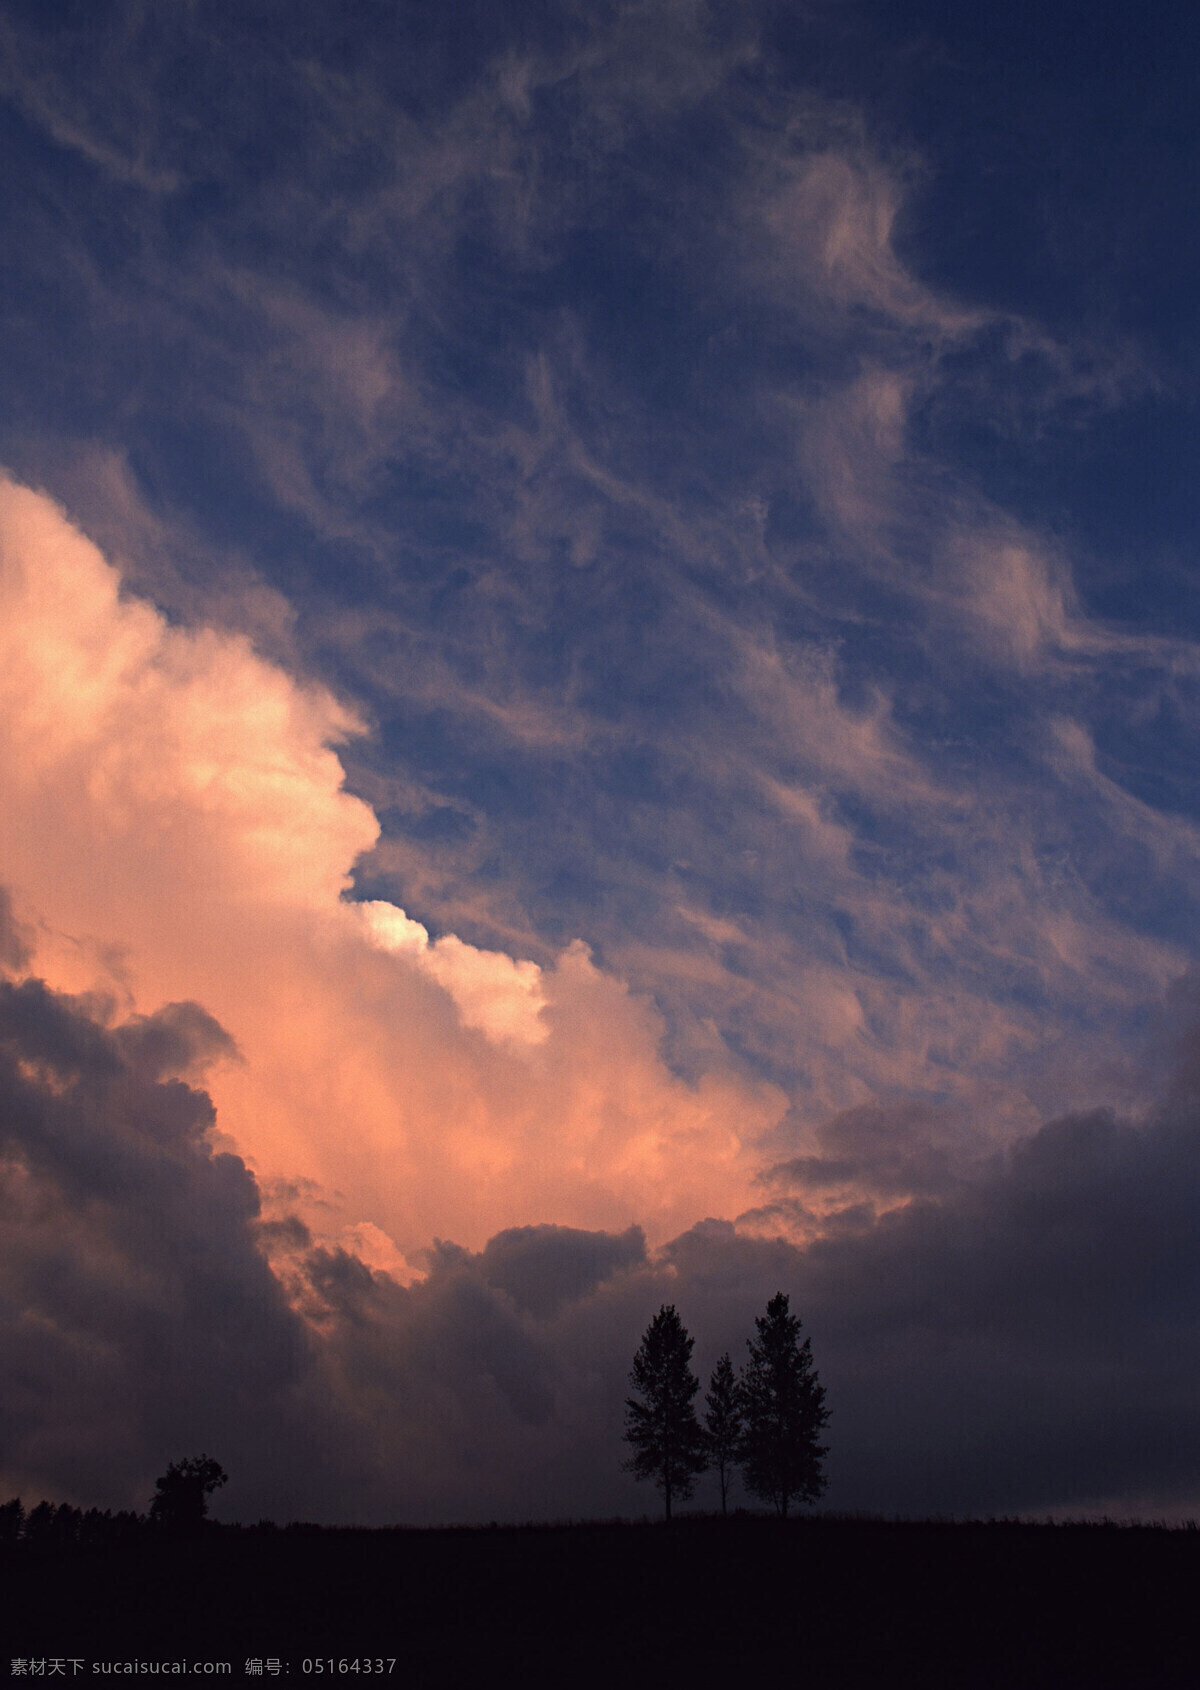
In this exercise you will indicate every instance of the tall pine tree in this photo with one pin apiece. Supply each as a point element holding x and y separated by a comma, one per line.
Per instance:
<point>784,1406</point>
<point>723,1421</point>
<point>660,1421</point>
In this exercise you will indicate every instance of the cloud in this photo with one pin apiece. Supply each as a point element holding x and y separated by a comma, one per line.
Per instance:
<point>542,1267</point>
<point>1016,1337</point>
<point>138,1313</point>
<point>659,612</point>
<point>14,947</point>
<point>503,998</point>
<point>142,1316</point>
<point>1029,1330</point>
<point>177,1040</point>
<point>662,608</point>
<point>901,1151</point>
<point>831,211</point>
<point>105,134</point>
<point>178,828</point>
<point>177,738</point>
<point>572,702</point>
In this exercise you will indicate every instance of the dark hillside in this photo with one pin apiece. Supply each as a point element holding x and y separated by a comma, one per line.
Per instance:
<point>836,1602</point>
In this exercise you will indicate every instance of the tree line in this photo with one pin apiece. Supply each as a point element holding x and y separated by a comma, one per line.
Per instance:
<point>764,1419</point>
<point>178,1508</point>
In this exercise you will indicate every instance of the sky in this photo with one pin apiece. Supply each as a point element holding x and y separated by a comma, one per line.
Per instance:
<point>599,662</point>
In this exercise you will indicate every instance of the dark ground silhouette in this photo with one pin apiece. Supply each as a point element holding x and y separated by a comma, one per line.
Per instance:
<point>833,1602</point>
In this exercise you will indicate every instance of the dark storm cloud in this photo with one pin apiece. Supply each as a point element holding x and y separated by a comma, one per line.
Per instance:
<point>1025,1338</point>
<point>14,949</point>
<point>902,1149</point>
<point>1030,1342</point>
<point>179,1039</point>
<point>139,1316</point>
<point>542,1267</point>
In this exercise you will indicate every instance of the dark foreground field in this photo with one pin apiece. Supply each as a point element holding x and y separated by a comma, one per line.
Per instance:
<point>704,1602</point>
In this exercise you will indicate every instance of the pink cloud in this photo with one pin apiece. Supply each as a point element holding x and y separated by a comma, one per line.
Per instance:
<point>177,828</point>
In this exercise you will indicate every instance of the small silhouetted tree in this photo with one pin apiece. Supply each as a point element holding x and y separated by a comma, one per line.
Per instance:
<point>784,1407</point>
<point>12,1518</point>
<point>660,1421</point>
<point>180,1502</point>
<point>724,1423</point>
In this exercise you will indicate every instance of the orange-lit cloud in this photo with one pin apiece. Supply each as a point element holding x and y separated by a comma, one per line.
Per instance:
<point>176,827</point>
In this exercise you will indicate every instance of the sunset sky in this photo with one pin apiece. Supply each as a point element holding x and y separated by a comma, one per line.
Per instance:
<point>599,668</point>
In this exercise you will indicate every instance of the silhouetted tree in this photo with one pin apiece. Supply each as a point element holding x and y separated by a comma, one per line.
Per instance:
<point>12,1518</point>
<point>64,1530</point>
<point>181,1495</point>
<point>39,1524</point>
<point>96,1528</point>
<point>724,1422</point>
<point>660,1422</point>
<point>126,1527</point>
<point>784,1407</point>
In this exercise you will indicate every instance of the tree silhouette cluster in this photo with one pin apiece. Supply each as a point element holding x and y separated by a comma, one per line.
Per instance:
<point>178,1508</point>
<point>51,1527</point>
<point>764,1421</point>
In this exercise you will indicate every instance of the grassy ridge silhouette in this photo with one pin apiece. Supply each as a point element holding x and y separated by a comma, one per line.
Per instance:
<point>845,1601</point>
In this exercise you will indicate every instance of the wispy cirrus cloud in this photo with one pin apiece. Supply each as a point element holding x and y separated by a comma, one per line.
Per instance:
<point>627,629</point>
